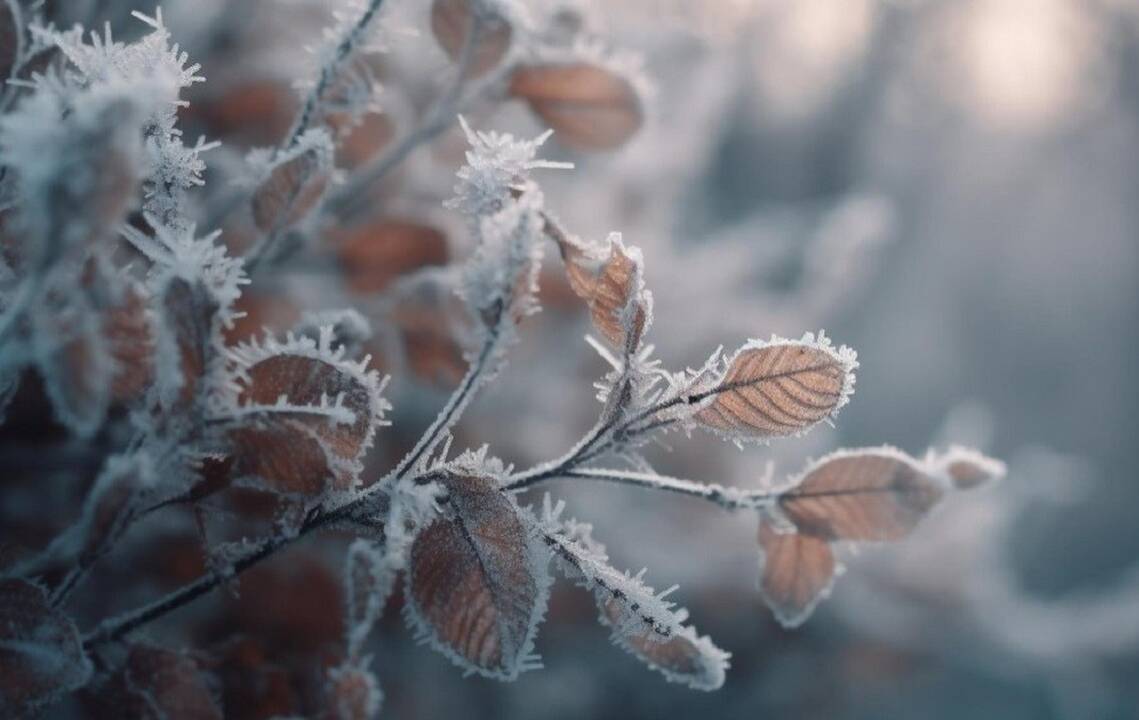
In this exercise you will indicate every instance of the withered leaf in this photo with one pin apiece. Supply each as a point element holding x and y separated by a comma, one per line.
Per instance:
<point>291,191</point>
<point>796,571</point>
<point>778,388</point>
<point>185,321</point>
<point>41,654</point>
<point>683,657</point>
<point>128,329</point>
<point>319,418</point>
<point>611,284</point>
<point>870,495</point>
<point>373,255</point>
<point>477,581</point>
<point>589,107</point>
<point>451,22</point>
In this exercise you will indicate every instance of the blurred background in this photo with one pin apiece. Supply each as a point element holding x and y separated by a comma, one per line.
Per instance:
<point>949,186</point>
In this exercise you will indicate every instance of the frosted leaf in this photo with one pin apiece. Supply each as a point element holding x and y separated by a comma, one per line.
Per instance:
<point>374,255</point>
<point>500,280</point>
<point>611,281</point>
<point>158,684</point>
<point>684,658</point>
<point>776,388</point>
<point>451,23</point>
<point>870,495</point>
<point>41,654</point>
<point>293,183</point>
<point>179,252</point>
<point>643,621</point>
<point>589,106</point>
<point>369,579</point>
<point>304,415</point>
<point>129,331</point>
<point>11,37</point>
<point>796,572</point>
<point>498,166</point>
<point>74,359</point>
<point>186,312</point>
<point>352,693</point>
<point>479,581</point>
<point>966,468</point>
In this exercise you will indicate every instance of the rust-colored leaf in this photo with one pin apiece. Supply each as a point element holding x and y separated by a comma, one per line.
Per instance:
<point>873,495</point>
<point>796,572</point>
<point>41,655</point>
<point>451,22</point>
<point>291,191</point>
<point>373,255</point>
<point>611,283</point>
<point>477,590</point>
<point>778,388</point>
<point>313,418</point>
<point>589,107</point>
<point>683,657</point>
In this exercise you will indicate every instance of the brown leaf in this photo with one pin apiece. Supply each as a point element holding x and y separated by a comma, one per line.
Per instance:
<point>157,684</point>
<point>295,448</point>
<point>477,589</point>
<point>11,29</point>
<point>451,23</point>
<point>589,107</point>
<point>683,657</point>
<point>128,329</point>
<point>41,655</point>
<point>778,388</point>
<point>611,283</point>
<point>426,320</point>
<point>186,313</point>
<point>871,495</point>
<point>373,255</point>
<point>796,572</point>
<point>291,191</point>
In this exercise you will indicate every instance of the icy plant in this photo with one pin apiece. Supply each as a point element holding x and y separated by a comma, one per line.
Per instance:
<point>125,310</point>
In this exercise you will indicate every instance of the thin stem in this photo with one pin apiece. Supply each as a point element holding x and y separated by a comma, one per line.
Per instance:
<point>331,69</point>
<point>435,122</point>
<point>726,497</point>
<point>454,408</point>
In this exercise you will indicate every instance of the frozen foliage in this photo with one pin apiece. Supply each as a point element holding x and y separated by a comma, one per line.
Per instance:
<point>146,334</point>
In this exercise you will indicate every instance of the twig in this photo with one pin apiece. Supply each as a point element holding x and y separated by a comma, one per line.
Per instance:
<point>440,117</point>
